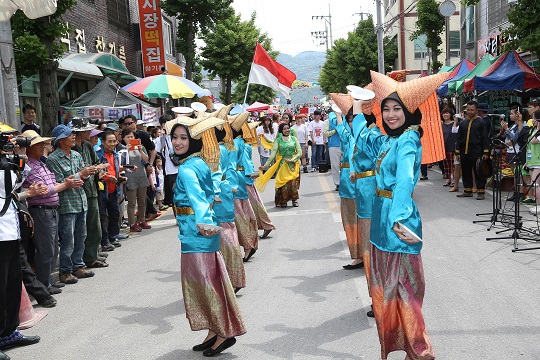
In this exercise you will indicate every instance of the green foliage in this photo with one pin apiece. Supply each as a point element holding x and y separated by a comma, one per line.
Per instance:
<point>524,27</point>
<point>194,16</point>
<point>256,92</point>
<point>34,39</point>
<point>197,74</point>
<point>229,48</point>
<point>350,60</point>
<point>431,23</point>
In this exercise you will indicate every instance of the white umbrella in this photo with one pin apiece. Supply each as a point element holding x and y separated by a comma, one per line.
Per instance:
<point>31,8</point>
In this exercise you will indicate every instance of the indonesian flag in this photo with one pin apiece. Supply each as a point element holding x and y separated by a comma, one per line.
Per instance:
<point>268,72</point>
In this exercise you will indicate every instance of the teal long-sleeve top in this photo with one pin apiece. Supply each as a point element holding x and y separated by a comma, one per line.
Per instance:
<point>361,162</point>
<point>397,168</point>
<point>224,210</point>
<point>194,189</point>
<point>347,188</point>
<point>240,145</point>
<point>249,167</point>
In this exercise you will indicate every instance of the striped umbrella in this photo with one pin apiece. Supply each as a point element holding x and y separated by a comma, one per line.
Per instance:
<point>163,86</point>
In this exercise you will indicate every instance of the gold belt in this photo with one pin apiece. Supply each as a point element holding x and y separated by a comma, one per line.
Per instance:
<point>365,174</point>
<point>383,193</point>
<point>344,165</point>
<point>240,168</point>
<point>183,210</point>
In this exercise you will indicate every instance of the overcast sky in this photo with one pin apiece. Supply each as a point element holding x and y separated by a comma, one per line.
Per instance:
<point>289,23</point>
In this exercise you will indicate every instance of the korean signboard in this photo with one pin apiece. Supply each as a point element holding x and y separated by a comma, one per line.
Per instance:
<point>150,23</point>
<point>106,113</point>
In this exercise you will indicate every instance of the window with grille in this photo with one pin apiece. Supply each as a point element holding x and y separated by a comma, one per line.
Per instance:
<point>167,38</point>
<point>455,44</point>
<point>118,14</point>
<point>420,48</point>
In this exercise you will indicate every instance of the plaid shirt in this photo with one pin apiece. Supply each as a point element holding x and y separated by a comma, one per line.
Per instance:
<point>62,166</point>
<point>90,158</point>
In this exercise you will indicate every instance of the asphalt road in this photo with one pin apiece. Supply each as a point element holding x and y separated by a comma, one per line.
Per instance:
<point>482,300</point>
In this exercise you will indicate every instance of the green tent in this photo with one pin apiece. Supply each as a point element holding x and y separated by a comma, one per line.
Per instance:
<point>448,68</point>
<point>456,86</point>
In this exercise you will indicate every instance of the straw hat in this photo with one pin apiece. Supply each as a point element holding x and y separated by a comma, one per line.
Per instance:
<point>35,138</point>
<point>254,124</point>
<point>223,111</point>
<point>343,101</point>
<point>183,120</point>
<point>197,129</point>
<point>236,121</point>
<point>412,93</point>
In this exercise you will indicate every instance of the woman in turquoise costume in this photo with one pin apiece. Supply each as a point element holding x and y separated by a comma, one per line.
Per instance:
<point>208,294</point>
<point>287,152</point>
<point>225,182</point>
<point>397,277</point>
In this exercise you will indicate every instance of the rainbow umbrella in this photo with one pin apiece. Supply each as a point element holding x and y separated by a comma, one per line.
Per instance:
<point>163,86</point>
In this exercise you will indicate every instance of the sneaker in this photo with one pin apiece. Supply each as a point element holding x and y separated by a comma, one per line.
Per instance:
<point>67,278</point>
<point>337,187</point>
<point>121,236</point>
<point>82,273</point>
<point>305,170</point>
<point>465,195</point>
<point>103,254</point>
<point>480,196</point>
<point>107,247</point>
<point>53,290</point>
<point>423,178</point>
<point>58,284</point>
<point>48,302</point>
<point>144,225</point>
<point>528,200</point>
<point>124,226</point>
<point>116,243</point>
<point>135,228</point>
<point>163,207</point>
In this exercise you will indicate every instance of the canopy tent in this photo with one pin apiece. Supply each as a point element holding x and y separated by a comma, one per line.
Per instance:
<point>456,86</point>
<point>461,69</point>
<point>106,93</point>
<point>237,109</point>
<point>33,9</point>
<point>257,106</point>
<point>109,64</point>
<point>508,72</point>
<point>448,68</point>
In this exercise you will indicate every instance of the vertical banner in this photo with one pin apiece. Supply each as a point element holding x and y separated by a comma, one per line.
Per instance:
<point>150,24</point>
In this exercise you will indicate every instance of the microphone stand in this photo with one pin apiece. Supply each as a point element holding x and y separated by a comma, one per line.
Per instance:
<point>518,223</point>
<point>496,181</point>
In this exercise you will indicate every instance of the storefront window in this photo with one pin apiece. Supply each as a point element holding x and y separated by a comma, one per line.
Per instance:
<point>469,25</point>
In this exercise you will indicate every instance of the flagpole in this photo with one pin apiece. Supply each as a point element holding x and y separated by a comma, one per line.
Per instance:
<point>247,86</point>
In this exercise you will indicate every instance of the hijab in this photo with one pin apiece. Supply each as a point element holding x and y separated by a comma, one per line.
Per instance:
<point>194,146</point>
<point>410,119</point>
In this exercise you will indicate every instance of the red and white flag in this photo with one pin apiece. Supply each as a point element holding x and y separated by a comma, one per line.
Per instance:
<point>268,72</point>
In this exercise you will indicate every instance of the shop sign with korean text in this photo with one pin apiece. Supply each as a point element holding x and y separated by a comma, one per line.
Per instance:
<point>150,23</point>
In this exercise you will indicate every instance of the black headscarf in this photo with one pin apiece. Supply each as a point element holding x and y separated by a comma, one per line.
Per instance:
<point>410,119</point>
<point>281,126</point>
<point>235,133</point>
<point>194,146</point>
<point>220,134</point>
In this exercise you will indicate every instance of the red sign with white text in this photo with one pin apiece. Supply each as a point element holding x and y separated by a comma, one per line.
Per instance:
<point>151,27</point>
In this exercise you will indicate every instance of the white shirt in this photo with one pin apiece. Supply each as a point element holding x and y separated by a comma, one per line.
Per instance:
<point>164,146</point>
<point>317,131</point>
<point>270,137</point>
<point>159,175</point>
<point>9,223</point>
<point>301,131</point>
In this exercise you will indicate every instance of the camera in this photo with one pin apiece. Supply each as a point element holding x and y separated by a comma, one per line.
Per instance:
<point>7,146</point>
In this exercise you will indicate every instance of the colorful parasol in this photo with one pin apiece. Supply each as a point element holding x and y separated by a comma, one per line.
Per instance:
<point>163,86</point>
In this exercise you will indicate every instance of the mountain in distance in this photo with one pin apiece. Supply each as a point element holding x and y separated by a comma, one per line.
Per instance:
<point>306,65</point>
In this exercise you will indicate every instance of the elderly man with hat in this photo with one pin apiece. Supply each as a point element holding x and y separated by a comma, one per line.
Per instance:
<point>82,128</point>
<point>65,163</point>
<point>44,208</point>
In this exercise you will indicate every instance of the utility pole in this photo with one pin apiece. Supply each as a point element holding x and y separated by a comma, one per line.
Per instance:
<point>9,95</point>
<point>318,35</point>
<point>380,43</point>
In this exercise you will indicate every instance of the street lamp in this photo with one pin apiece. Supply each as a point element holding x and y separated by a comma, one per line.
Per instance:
<point>447,9</point>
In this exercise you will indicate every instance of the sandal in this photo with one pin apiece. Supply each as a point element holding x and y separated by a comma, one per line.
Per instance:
<point>454,189</point>
<point>98,264</point>
<point>446,184</point>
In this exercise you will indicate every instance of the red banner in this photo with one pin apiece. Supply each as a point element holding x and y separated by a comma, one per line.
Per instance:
<point>151,27</point>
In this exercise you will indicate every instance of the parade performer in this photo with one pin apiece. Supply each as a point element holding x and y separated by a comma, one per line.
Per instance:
<point>245,220</point>
<point>225,183</point>
<point>287,152</point>
<point>263,220</point>
<point>208,294</point>
<point>397,276</point>
<point>358,178</point>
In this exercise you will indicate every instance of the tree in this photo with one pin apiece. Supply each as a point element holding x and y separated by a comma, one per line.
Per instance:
<point>350,60</point>
<point>194,16</point>
<point>256,92</point>
<point>524,30</point>
<point>431,23</point>
<point>37,51</point>
<point>229,48</point>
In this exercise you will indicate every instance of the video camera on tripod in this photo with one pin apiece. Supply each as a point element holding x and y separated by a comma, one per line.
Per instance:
<point>10,162</point>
